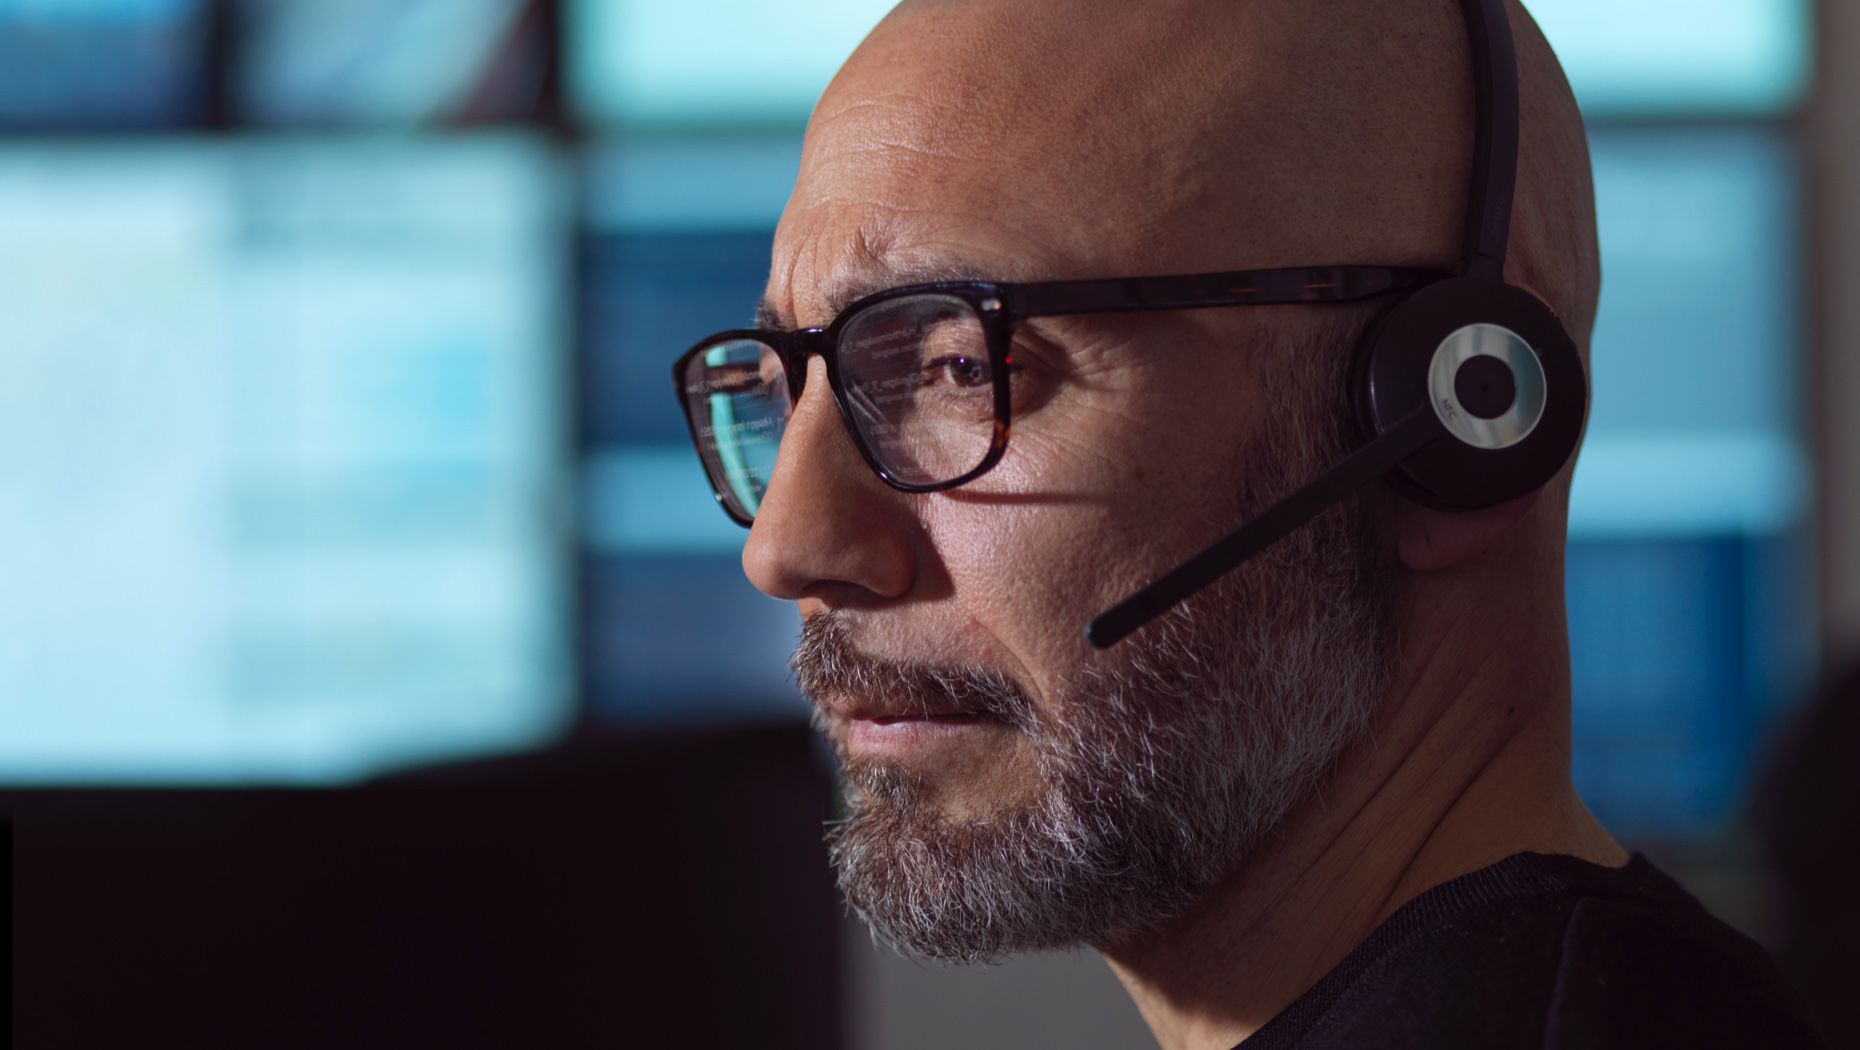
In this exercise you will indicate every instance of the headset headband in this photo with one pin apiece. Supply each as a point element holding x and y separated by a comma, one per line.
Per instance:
<point>1495,138</point>
<point>1488,229</point>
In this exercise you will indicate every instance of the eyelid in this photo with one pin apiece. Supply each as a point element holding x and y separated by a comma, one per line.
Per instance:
<point>1030,348</point>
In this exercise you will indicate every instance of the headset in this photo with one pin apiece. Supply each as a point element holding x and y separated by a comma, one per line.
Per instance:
<point>1467,393</point>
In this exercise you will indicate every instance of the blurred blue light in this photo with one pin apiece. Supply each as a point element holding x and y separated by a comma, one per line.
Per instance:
<point>393,62</point>
<point>281,473</point>
<point>646,62</point>
<point>104,64</point>
<point>723,62</point>
<point>1696,357</point>
<point>34,13</point>
<point>1689,485</point>
<point>1652,57</point>
<point>1669,705</point>
<point>692,184</point>
<point>682,638</point>
<point>654,500</point>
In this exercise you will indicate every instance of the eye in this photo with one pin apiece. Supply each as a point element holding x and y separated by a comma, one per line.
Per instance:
<point>958,370</point>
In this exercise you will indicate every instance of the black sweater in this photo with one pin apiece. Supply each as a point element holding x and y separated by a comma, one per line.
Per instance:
<point>1548,952</point>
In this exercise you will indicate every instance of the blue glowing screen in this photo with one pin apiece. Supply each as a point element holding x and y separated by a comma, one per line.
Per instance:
<point>730,62</point>
<point>102,64</point>
<point>309,63</point>
<point>280,458</point>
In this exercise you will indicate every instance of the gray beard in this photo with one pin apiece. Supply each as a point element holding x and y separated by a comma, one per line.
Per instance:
<point>1158,775</point>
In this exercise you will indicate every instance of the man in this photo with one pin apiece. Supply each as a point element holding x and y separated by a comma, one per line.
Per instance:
<point>1325,801</point>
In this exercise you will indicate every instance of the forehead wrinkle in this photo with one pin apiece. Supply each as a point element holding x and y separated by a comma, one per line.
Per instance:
<point>804,252</point>
<point>937,127</point>
<point>847,291</point>
<point>933,124</point>
<point>892,245</point>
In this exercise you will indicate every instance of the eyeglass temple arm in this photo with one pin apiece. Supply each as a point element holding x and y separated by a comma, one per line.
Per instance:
<point>1322,284</point>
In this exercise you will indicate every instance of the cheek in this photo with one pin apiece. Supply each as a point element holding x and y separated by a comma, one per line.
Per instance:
<point>1015,578</point>
<point>1112,482</point>
<point>1059,537</point>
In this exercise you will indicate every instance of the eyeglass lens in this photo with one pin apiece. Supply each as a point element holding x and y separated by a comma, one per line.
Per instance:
<point>737,395</point>
<point>919,386</point>
<point>916,383</point>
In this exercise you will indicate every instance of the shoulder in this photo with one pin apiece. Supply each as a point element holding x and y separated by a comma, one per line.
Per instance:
<point>1644,962</point>
<point>1550,952</point>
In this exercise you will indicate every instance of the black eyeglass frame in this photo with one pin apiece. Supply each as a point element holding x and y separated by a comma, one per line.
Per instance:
<point>1000,307</point>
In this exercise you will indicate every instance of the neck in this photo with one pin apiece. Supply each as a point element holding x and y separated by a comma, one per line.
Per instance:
<point>1468,763</point>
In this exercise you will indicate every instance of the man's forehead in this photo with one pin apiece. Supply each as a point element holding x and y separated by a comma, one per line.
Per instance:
<point>866,235</point>
<point>998,139</point>
<point>980,139</point>
<point>825,265</point>
<point>827,300</point>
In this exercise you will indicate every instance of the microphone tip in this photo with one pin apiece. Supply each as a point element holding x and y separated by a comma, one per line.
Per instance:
<point>1103,635</point>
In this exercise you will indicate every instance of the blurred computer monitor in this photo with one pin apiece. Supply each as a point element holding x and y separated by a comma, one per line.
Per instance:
<point>282,457</point>
<point>401,63</point>
<point>103,65</point>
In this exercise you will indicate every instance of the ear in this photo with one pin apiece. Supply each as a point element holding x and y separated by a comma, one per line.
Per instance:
<point>1429,540</point>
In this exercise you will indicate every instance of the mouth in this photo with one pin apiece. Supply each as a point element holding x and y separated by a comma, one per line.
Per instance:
<point>859,710</point>
<point>870,731</point>
<point>951,716</point>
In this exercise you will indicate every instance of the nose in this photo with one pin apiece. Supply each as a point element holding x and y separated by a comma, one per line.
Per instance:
<point>827,528</point>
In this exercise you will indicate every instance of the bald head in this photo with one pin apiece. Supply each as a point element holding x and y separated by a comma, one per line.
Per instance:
<point>1184,135</point>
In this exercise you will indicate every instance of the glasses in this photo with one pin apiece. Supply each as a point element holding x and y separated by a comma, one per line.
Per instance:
<point>921,374</point>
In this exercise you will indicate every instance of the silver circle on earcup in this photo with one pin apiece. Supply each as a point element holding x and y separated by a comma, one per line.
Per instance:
<point>1527,373</point>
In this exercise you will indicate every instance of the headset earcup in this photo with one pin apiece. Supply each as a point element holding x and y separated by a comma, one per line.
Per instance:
<point>1405,363</point>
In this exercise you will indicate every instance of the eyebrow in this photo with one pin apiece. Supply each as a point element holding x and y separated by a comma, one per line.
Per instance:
<point>772,317</point>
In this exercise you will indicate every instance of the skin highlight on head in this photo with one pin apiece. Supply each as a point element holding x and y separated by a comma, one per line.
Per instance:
<point>1427,651</point>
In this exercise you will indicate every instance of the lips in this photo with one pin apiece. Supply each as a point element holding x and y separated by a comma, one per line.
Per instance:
<point>954,716</point>
<point>909,736</point>
<point>880,715</point>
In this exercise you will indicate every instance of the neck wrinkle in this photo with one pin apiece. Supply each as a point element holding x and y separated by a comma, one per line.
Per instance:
<point>1465,735</point>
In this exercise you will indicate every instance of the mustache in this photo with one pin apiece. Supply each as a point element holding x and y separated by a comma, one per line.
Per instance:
<point>827,664</point>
